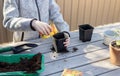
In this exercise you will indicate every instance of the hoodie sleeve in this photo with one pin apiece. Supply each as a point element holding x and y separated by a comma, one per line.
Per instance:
<point>11,20</point>
<point>56,17</point>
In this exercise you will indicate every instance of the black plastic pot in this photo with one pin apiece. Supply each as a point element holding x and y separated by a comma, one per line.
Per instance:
<point>59,40</point>
<point>85,32</point>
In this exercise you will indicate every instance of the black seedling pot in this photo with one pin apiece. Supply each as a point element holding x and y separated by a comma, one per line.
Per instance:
<point>85,32</point>
<point>59,39</point>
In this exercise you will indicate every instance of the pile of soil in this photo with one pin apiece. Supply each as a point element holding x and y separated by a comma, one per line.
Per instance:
<point>74,49</point>
<point>25,64</point>
<point>114,44</point>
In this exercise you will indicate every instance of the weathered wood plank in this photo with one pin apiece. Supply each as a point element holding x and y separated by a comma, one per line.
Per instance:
<point>82,49</point>
<point>74,42</point>
<point>112,73</point>
<point>97,68</point>
<point>76,61</point>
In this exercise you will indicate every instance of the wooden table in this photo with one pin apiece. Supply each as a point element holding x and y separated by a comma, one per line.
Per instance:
<point>91,57</point>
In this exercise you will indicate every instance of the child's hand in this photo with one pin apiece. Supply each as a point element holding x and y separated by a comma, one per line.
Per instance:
<point>67,42</point>
<point>41,27</point>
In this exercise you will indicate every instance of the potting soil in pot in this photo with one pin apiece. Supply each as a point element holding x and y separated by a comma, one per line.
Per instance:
<point>114,53</point>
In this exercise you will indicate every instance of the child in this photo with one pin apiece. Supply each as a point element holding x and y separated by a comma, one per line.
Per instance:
<point>30,18</point>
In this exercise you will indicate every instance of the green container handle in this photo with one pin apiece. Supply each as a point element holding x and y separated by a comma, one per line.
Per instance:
<point>6,49</point>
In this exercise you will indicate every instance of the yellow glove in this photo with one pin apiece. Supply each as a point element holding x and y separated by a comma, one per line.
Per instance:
<point>54,31</point>
<point>54,28</point>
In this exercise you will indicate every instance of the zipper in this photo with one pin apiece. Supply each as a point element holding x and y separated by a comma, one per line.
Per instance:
<point>22,37</point>
<point>38,10</point>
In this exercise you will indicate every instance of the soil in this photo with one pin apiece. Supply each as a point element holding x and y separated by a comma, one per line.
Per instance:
<point>64,51</point>
<point>114,44</point>
<point>25,64</point>
<point>75,49</point>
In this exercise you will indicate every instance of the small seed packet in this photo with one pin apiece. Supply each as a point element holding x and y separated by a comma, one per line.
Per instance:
<point>70,72</point>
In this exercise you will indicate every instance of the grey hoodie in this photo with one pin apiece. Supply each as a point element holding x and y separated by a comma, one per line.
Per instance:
<point>19,13</point>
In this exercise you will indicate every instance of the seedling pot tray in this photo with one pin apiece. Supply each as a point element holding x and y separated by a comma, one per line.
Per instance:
<point>14,58</point>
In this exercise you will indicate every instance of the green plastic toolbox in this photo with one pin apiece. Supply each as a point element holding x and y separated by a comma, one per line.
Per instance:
<point>11,58</point>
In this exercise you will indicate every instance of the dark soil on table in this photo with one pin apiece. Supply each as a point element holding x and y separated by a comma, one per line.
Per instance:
<point>75,49</point>
<point>114,44</point>
<point>25,64</point>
